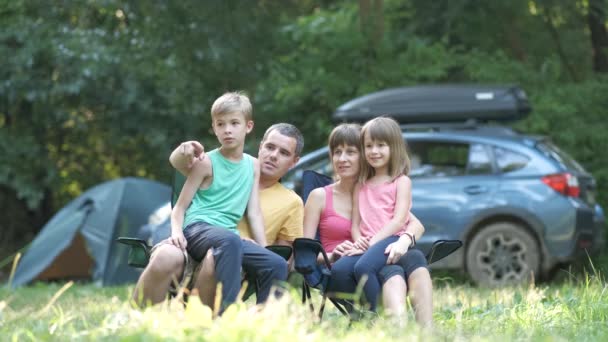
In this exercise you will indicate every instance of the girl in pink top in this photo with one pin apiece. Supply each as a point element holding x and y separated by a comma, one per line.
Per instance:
<point>381,205</point>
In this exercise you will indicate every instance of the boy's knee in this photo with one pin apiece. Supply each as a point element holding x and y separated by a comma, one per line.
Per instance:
<point>232,241</point>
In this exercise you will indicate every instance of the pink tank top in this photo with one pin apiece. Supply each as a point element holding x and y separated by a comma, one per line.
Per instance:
<point>333,228</point>
<point>377,207</point>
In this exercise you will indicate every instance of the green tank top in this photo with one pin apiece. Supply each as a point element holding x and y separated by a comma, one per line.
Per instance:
<point>224,202</point>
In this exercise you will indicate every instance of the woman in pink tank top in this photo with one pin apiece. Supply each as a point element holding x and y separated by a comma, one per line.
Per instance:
<point>330,209</point>
<point>381,205</point>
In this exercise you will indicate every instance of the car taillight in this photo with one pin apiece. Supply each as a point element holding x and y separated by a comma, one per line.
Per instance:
<point>564,183</point>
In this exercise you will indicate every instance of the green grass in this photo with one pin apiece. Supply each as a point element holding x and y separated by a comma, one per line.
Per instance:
<point>572,310</point>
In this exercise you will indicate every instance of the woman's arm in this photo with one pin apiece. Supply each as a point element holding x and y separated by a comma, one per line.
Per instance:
<point>398,248</point>
<point>355,216</point>
<point>402,210</point>
<point>415,227</point>
<point>195,178</point>
<point>315,204</point>
<point>254,213</point>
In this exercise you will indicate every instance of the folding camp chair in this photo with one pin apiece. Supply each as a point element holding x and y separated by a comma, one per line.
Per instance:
<point>319,276</point>
<point>139,250</point>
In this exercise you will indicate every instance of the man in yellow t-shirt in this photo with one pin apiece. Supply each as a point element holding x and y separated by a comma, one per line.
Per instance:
<point>283,215</point>
<point>282,210</point>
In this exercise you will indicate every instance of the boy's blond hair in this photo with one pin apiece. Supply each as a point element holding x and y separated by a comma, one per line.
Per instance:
<point>232,102</point>
<point>387,130</point>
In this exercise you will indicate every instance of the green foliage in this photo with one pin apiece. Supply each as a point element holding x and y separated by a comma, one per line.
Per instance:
<point>328,62</point>
<point>91,91</point>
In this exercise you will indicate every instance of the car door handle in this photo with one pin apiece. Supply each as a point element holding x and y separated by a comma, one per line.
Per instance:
<point>475,189</point>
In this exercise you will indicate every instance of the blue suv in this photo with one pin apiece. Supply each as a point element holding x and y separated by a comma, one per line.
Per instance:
<point>521,205</point>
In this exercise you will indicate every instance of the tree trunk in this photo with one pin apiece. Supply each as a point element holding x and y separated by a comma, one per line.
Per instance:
<point>561,52</point>
<point>599,34</point>
<point>19,224</point>
<point>371,14</point>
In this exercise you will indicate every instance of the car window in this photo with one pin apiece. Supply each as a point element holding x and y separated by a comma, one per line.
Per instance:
<point>508,160</point>
<point>448,159</point>
<point>480,162</point>
<point>555,153</point>
<point>438,159</point>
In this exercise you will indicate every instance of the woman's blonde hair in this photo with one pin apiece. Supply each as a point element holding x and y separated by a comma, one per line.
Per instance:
<point>387,130</point>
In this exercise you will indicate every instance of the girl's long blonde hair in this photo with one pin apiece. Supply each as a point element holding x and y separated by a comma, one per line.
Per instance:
<point>387,130</point>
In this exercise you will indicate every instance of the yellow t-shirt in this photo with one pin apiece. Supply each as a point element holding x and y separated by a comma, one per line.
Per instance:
<point>283,214</point>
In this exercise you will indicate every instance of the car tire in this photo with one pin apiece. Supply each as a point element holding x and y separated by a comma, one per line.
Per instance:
<point>503,254</point>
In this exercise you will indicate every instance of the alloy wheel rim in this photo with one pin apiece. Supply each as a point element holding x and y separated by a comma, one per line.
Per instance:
<point>503,259</point>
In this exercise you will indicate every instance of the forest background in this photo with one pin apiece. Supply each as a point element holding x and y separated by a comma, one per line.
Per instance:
<point>95,90</point>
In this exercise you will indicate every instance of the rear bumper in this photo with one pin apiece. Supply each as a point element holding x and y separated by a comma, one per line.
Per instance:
<point>590,229</point>
<point>587,238</point>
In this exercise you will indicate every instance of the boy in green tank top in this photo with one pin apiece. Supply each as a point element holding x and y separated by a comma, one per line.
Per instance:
<point>217,192</point>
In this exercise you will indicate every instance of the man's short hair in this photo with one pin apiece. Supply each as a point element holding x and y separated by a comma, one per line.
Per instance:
<point>232,102</point>
<point>287,130</point>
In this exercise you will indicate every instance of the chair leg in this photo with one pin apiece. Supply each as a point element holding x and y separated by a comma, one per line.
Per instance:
<point>312,308</point>
<point>322,306</point>
<point>340,307</point>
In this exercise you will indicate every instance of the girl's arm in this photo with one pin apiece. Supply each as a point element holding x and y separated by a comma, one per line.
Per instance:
<point>402,210</point>
<point>398,248</point>
<point>195,178</point>
<point>254,213</point>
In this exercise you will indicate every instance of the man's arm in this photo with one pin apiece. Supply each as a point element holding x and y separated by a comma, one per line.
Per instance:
<point>254,213</point>
<point>185,155</point>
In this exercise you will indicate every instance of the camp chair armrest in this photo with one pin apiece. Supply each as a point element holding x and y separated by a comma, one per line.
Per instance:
<point>139,251</point>
<point>441,249</point>
<point>282,250</point>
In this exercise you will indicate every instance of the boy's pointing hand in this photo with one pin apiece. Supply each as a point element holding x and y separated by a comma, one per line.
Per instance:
<point>193,151</point>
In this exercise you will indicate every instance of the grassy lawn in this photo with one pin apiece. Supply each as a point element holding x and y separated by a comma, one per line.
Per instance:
<point>571,310</point>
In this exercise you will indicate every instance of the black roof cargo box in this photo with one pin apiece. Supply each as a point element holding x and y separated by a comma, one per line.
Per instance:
<point>438,103</point>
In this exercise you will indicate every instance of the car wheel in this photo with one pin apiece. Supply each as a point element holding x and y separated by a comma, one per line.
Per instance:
<point>502,254</point>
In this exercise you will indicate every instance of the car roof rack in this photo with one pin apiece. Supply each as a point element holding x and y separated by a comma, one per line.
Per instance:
<point>469,125</point>
<point>438,103</point>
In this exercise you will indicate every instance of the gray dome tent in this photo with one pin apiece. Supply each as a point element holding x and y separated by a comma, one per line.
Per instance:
<point>79,241</point>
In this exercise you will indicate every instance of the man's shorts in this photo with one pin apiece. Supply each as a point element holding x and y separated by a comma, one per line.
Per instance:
<point>191,269</point>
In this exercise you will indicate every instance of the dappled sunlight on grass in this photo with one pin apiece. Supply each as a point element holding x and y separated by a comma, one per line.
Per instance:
<point>577,310</point>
